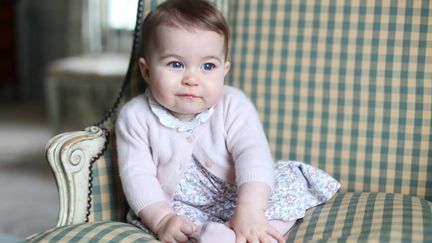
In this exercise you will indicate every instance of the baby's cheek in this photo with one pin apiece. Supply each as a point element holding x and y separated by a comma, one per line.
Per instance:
<point>162,98</point>
<point>214,98</point>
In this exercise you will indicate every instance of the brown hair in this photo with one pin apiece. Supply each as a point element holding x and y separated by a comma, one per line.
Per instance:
<point>188,14</point>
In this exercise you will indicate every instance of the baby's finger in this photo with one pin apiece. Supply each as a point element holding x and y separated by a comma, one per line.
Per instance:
<point>255,238</point>
<point>254,241</point>
<point>171,239</point>
<point>276,235</point>
<point>240,239</point>
<point>180,237</point>
<point>265,238</point>
<point>188,228</point>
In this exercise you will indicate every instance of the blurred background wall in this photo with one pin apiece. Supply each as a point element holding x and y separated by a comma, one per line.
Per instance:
<point>42,34</point>
<point>34,34</point>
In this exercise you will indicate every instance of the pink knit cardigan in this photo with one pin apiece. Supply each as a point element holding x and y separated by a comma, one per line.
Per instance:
<point>231,144</point>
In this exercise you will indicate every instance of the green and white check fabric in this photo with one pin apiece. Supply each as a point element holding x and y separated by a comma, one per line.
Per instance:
<point>343,85</point>
<point>349,217</point>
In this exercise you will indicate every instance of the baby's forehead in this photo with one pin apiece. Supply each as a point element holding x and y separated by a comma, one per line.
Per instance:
<point>165,35</point>
<point>164,30</point>
<point>185,27</point>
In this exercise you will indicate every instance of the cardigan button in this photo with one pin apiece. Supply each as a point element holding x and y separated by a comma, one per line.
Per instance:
<point>190,139</point>
<point>209,163</point>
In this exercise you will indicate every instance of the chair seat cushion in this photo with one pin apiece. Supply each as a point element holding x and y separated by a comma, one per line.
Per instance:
<point>351,217</point>
<point>377,217</point>
<point>99,231</point>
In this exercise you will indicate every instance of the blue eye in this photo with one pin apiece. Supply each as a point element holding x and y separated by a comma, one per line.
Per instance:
<point>208,66</point>
<point>175,64</point>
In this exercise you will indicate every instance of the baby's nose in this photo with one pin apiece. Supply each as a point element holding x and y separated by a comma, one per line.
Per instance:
<point>189,81</point>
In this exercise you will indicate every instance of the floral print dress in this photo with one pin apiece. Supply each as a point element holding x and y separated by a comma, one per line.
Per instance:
<point>202,197</point>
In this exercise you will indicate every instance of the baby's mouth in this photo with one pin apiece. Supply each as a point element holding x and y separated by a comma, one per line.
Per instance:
<point>188,96</point>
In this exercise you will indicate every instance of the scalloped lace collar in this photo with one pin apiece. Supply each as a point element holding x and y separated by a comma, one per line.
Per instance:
<point>170,121</point>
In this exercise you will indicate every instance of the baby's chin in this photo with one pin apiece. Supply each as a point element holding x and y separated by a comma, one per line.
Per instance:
<point>184,116</point>
<point>187,116</point>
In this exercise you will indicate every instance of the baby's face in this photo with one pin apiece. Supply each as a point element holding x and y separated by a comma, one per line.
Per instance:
<point>185,69</point>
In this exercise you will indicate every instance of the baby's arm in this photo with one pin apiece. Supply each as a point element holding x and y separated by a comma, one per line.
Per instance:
<point>138,173</point>
<point>166,224</point>
<point>249,222</point>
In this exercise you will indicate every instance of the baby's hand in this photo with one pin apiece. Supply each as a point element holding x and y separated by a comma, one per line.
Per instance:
<point>175,228</point>
<point>251,225</point>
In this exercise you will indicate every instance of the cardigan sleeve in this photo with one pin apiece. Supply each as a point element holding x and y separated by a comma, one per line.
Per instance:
<point>136,166</point>
<point>246,140</point>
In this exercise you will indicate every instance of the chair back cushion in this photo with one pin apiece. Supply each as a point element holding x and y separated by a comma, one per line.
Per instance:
<point>342,85</point>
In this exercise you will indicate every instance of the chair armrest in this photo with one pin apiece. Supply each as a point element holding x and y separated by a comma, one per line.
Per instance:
<point>70,156</point>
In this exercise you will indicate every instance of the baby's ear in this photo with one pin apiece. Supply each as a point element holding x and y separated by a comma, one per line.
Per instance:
<point>145,72</point>
<point>227,68</point>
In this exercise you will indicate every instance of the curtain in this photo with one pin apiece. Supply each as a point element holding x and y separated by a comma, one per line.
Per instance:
<point>95,27</point>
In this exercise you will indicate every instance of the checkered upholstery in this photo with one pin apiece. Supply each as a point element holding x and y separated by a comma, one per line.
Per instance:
<point>99,231</point>
<point>343,85</point>
<point>362,217</point>
<point>349,217</point>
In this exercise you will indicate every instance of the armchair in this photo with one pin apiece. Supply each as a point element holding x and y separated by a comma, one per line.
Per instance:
<point>343,85</point>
